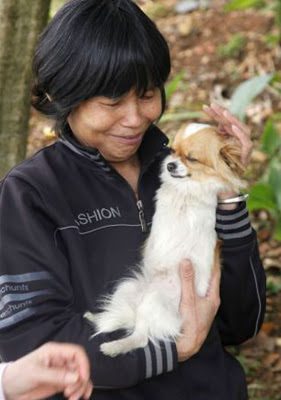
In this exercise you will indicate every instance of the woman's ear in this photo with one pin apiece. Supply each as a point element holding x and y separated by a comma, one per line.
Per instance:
<point>231,155</point>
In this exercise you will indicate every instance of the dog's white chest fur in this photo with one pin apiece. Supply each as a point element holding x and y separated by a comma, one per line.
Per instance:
<point>147,304</point>
<point>177,234</point>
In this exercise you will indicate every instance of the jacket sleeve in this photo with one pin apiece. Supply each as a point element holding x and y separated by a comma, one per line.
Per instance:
<point>243,288</point>
<point>36,296</point>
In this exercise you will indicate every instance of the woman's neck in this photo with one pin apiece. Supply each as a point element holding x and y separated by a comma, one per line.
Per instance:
<point>129,170</point>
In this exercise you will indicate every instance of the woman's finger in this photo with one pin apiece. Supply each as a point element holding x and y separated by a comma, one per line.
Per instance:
<point>187,284</point>
<point>231,118</point>
<point>227,119</point>
<point>214,289</point>
<point>246,145</point>
<point>235,121</point>
<point>78,394</point>
<point>224,124</point>
<point>88,391</point>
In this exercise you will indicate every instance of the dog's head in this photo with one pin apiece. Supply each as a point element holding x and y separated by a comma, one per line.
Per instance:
<point>201,155</point>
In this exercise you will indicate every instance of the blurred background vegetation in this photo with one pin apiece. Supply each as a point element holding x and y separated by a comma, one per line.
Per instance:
<point>223,51</point>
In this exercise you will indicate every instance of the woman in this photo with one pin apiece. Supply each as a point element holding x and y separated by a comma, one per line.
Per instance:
<point>74,216</point>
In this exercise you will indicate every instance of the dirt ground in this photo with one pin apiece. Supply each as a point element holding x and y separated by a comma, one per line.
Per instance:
<point>194,39</point>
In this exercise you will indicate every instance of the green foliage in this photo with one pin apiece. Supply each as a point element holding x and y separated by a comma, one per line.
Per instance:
<point>173,84</point>
<point>184,116</point>
<point>271,40</point>
<point>270,4</point>
<point>234,47</point>
<point>246,92</point>
<point>278,18</point>
<point>273,286</point>
<point>242,4</point>
<point>266,194</point>
<point>270,139</point>
<point>55,5</point>
<point>250,366</point>
<point>157,10</point>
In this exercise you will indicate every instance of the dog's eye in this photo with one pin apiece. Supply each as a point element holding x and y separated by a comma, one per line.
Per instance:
<point>191,159</point>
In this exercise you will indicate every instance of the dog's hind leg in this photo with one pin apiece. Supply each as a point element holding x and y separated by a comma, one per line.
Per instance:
<point>139,338</point>
<point>119,311</point>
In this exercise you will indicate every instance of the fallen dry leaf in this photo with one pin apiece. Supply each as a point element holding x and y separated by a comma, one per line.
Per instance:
<point>271,359</point>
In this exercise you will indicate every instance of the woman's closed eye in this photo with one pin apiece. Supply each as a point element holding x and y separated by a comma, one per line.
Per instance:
<point>111,104</point>
<point>148,95</point>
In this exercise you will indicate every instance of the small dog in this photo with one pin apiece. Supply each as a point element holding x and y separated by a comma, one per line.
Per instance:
<point>202,164</point>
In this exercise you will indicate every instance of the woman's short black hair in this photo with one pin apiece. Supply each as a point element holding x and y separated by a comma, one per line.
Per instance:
<point>97,48</point>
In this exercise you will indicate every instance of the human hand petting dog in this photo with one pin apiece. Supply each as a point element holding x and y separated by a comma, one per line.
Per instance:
<point>198,312</point>
<point>230,125</point>
<point>51,369</point>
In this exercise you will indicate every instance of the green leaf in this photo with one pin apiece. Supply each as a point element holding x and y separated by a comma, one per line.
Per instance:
<point>240,4</point>
<point>233,47</point>
<point>274,180</point>
<point>172,86</point>
<point>261,197</point>
<point>271,139</point>
<point>182,116</point>
<point>246,92</point>
<point>277,234</point>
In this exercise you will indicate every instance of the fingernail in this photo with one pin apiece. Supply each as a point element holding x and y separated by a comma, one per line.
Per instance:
<point>186,263</point>
<point>71,377</point>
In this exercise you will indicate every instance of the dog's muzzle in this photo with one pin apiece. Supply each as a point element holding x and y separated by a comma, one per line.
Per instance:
<point>177,171</point>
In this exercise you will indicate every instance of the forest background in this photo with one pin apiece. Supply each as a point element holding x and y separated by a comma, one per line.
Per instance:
<point>223,51</point>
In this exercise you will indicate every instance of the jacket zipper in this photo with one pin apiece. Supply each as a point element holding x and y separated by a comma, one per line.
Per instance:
<point>141,216</point>
<point>139,204</point>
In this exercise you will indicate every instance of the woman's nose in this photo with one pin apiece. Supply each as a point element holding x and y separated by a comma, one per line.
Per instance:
<point>133,116</point>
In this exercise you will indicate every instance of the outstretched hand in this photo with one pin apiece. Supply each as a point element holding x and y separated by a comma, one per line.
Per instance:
<point>51,369</point>
<point>197,312</point>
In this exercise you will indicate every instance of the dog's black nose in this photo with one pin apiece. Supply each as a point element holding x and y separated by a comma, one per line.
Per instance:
<point>171,166</point>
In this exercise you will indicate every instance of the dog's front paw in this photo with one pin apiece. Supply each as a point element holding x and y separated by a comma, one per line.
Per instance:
<point>110,348</point>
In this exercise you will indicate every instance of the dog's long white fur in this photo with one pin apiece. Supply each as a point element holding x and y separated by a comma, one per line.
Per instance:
<point>147,304</point>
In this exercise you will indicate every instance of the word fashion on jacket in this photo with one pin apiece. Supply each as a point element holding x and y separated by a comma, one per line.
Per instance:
<point>202,164</point>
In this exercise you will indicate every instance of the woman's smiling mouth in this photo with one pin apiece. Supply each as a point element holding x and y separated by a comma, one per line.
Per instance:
<point>133,139</point>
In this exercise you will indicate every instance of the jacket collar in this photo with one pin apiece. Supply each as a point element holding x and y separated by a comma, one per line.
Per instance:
<point>154,142</point>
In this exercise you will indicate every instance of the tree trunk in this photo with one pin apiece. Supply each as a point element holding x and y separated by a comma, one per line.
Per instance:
<point>20,23</point>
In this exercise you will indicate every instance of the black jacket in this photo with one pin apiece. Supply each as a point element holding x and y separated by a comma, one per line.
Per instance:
<point>70,227</point>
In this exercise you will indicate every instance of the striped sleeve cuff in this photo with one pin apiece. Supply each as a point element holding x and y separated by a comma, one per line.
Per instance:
<point>160,357</point>
<point>234,224</point>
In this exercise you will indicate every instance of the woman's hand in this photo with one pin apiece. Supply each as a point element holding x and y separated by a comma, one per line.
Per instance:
<point>51,369</point>
<point>198,312</point>
<point>230,125</point>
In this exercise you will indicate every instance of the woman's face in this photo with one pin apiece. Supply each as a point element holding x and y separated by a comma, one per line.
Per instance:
<point>115,126</point>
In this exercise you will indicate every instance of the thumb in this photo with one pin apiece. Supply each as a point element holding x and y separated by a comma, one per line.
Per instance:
<point>187,283</point>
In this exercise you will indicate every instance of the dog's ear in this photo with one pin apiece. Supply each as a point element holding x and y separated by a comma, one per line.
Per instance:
<point>231,155</point>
